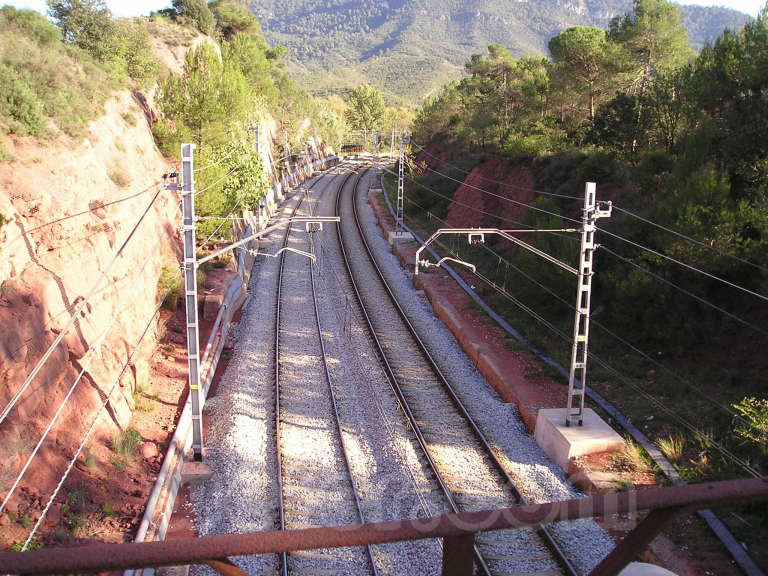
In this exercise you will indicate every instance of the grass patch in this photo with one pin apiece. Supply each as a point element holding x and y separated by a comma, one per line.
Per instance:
<point>168,274</point>
<point>119,175</point>
<point>142,401</point>
<point>129,118</point>
<point>672,446</point>
<point>34,544</point>
<point>5,154</point>
<point>124,445</point>
<point>623,485</point>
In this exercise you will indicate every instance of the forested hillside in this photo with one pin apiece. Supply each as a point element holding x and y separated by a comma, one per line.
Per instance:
<point>674,140</point>
<point>408,49</point>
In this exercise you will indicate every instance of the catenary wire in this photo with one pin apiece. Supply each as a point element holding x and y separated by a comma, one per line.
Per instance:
<point>690,239</point>
<point>684,265</point>
<point>60,336</point>
<point>217,182</point>
<point>216,163</point>
<point>103,406</point>
<point>618,237</point>
<point>462,204</point>
<point>686,292</point>
<point>627,381</point>
<point>604,328</point>
<point>85,365</point>
<point>610,332</point>
<point>504,184</point>
<point>224,221</point>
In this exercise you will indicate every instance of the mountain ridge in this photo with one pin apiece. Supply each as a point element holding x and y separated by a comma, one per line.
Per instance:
<point>407,49</point>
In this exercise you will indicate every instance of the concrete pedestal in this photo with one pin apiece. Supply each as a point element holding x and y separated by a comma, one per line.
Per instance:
<point>393,237</point>
<point>194,473</point>
<point>561,442</point>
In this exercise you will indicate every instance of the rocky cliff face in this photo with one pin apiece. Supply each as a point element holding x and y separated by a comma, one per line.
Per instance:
<point>61,231</point>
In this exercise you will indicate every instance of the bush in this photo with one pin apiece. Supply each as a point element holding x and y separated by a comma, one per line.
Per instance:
<point>169,281</point>
<point>40,78</point>
<point>20,108</point>
<point>124,445</point>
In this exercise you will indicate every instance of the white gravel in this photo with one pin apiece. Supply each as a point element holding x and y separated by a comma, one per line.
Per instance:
<point>387,463</point>
<point>539,479</point>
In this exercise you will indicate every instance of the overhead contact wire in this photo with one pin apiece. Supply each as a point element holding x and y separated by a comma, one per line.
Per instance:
<point>690,239</point>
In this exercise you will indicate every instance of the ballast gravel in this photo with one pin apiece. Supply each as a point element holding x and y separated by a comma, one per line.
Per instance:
<point>387,464</point>
<point>537,477</point>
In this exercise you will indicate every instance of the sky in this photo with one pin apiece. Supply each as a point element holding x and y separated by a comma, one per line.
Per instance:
<point>142,7</point>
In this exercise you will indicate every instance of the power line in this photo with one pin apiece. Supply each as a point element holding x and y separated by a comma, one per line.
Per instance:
<point>219,161</point>
<point>215,183</point>
<point>505,184</point>
<point>660,405</point>
<point>684,265</point>
<point>73,319</point>
<point>499,196</point>
<point>686,292</point>
<point>98,415</point>
<point>224,221</point>
<point>608,331</point>
<point>503,219</point>
<point>689,239</point>
<point>645,248</point>
<point>83,212</point>
<point>92,354</point>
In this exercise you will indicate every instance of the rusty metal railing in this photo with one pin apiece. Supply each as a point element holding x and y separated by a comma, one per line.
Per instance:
<point>457,531</point>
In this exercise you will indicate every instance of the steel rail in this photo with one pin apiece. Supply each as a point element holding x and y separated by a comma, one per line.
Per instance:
<point>543,531</point>
<point>394,383</point>
<point>337,418</point>
<point>278,450</point>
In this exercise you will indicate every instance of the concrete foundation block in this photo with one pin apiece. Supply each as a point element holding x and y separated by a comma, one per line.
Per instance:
<point>403,236</point>
<point>211,305</point>
<point>561,442</point>
<point>194,473</point>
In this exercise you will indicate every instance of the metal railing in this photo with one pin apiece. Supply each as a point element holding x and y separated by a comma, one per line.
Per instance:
<point>457,531</point>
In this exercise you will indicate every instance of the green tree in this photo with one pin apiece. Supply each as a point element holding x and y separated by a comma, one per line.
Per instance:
<point>205,104</point>
<point>655,40</point>
<point>365,108</point>
<point>583,57</point>
<point>196,12</point>
<point>234,18</point>
<point>84,23</point>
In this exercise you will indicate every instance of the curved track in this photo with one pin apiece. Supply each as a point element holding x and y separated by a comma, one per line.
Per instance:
<point>316,485</point>
<point>464,464</point>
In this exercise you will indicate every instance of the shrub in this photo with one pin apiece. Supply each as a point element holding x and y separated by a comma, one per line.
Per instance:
<point>5,155</point>
<point>40,78</point>
<point>169,281</point>
<point>754,426</point>
<point>672,446</point>
<point>20,108</point>
<point>124,444</point>
<point>119,176</point>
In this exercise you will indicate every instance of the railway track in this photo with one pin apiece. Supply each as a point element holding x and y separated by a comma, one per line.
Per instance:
<point>316,485</point>
<point>465,468</point>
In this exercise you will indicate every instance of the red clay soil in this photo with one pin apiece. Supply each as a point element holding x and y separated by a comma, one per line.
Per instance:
<point>487,209</point>
<point>104,497</point>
